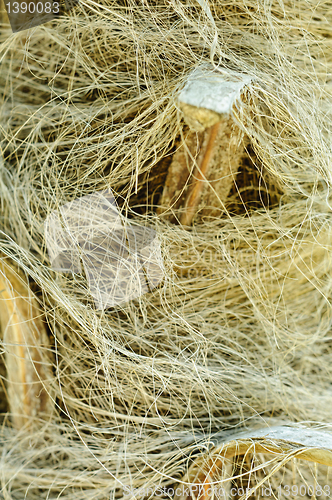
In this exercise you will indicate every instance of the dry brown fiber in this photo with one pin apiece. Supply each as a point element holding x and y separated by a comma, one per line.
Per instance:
<point>88,102</point>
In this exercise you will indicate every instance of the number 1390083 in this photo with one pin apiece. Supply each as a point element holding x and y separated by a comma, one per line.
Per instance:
<point>25,14</point>
<point>33,7</point>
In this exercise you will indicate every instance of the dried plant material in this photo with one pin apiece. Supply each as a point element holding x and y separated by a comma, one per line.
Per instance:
<point>203,168</point>
<point>24,339</point>
<point>199,119</point>
<point>216,153</point>
<point>240,331</point>
<point>121,261</point>
<point>3,14</point>
<point>234,458</point>
<point>213,92</point>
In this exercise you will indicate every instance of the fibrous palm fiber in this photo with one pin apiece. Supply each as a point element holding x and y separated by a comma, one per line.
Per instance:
<point>238,334</point>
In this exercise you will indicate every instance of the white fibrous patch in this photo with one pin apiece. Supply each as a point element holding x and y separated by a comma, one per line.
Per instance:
<point>300,436</point>
<point>121,261</point>
<point>214,90</point>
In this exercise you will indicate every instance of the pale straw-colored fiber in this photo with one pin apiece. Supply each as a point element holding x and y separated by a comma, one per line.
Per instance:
<point>238,333</point>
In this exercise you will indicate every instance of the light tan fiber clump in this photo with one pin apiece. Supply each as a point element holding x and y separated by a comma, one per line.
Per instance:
<point>238,334</point>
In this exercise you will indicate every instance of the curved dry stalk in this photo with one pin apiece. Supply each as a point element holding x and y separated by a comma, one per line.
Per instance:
<point>24,338</point>
<point>280,442</point>
<point>241,329</point>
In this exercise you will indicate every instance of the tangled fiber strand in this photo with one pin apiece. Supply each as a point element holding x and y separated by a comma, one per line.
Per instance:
<point>239,332</point>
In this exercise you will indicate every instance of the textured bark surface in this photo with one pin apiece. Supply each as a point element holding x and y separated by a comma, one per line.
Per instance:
<point>24,339</point>
<point>202,172</point>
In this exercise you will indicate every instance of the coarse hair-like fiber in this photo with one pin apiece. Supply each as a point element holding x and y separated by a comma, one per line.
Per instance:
<point>238,334</point>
